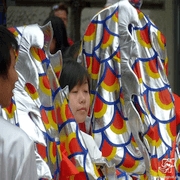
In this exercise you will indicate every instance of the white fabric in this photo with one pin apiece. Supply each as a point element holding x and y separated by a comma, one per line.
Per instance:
<point>17,157</point>
<point>93,150</point>
<point>107,168</point>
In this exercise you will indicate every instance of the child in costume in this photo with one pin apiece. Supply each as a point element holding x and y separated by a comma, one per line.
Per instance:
<point>76,77</point>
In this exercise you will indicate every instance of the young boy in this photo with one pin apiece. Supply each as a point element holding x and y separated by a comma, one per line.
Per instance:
<point>76,77</point>
<point>17,158</point>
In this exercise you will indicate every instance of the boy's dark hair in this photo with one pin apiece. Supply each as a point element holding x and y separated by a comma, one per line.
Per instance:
<point>61,6</point>
<point>7,41</point>
<point>72,51</point>
<point>59,32</point>
<point>73,73</point>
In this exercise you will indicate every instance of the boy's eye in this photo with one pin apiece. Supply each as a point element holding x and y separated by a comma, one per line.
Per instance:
<point>74,91</point>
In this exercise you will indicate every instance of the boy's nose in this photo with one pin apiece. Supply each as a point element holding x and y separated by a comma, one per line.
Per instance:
<point>82,98</point>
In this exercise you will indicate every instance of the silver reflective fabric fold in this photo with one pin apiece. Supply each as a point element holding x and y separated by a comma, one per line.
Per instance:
<point>132,104</point>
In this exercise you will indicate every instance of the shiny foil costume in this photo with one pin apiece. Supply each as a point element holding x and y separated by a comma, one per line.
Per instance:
<point>132,108</point>
<point>40,108</point>
<point>132,105</point>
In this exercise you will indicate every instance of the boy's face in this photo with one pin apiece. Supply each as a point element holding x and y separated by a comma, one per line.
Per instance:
<point>7,84</point>
<point>63,15</point>
<point>79,101</point>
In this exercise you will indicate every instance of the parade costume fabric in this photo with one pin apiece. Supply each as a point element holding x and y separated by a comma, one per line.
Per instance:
<point>132,109</point>
<point>39,106</point>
